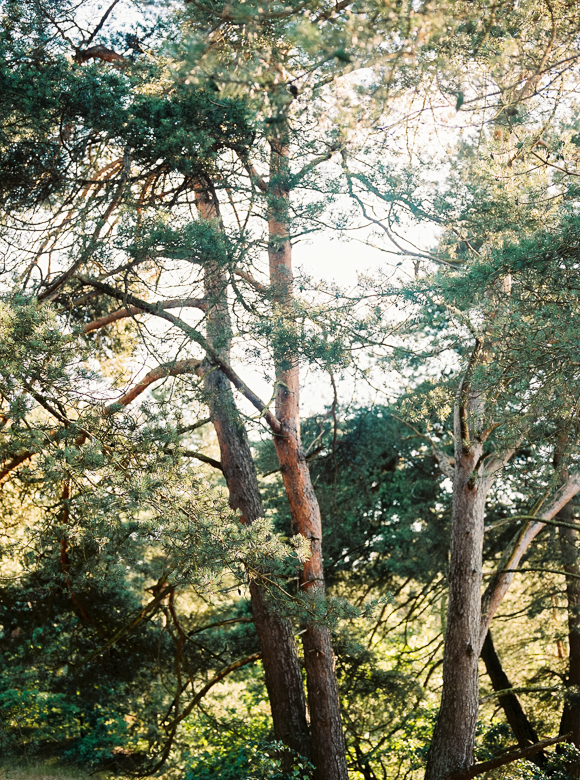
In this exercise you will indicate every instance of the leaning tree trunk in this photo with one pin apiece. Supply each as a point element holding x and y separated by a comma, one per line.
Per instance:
<point>523,730</point>
<point>279,657</point>
<point>570,722</point>
<point>328,749</point>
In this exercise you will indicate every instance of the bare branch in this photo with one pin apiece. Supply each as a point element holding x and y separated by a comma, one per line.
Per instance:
<point>188,366</point>
<point>131,311</point>
<point>196,336</point>
<point>250,280</point>
<point>99,26</point>
<point>203,458</point>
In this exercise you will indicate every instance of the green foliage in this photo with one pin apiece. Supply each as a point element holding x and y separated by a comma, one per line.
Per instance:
<point>246,760</point>
<point>122,563</point>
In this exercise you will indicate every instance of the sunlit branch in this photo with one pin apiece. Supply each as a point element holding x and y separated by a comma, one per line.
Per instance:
<point>196,336</point>
<point>131,311</point>
<point>502,580</point>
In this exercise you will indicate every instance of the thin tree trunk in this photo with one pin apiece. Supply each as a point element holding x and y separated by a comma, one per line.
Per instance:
<point>328,747</point>
<point>279,657</point>
<point>523,730</point>
<point>570,722</point>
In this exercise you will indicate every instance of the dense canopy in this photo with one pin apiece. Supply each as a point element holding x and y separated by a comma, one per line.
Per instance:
<point>269,513</point>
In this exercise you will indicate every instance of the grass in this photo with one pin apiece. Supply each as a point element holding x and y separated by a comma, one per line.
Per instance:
<point>25,769</point>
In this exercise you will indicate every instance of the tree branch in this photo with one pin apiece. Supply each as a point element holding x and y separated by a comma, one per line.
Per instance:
<point>250,659</point>
<point>126,629</point>
<point>194,335</point>
<point>189,366</point>
<point>167,369</point>
<point>333,148</point>
<point>503,578</point>
<point>198,424</point>
<point>444,461</point>
<point>255,177</point>
<point>250,280</point>
<point>99,26</point>
<point>203,458</point>
<point>218,624</point>
<point>131,311</point>
<point>98,52</point>
<point>507,758</point>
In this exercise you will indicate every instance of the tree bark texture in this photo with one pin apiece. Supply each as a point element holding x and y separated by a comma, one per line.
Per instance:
<point>570,722</point>
<point>453,740</point>
<point>282,670</point>
<point>328,749</point>
<point>523,730</point>
<point>451,749</point>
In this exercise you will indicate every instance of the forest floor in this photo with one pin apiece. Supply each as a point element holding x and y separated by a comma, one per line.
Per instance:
<point>29,770</point>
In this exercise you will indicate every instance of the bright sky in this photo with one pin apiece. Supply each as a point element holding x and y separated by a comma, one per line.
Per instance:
<point>321,257</point>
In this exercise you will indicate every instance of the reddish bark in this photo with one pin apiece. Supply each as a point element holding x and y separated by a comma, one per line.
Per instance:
<point>328,749</point>
<point>131,311</point>
<point>98,52</point>
<point>178,368</point>
<point>279,657</point>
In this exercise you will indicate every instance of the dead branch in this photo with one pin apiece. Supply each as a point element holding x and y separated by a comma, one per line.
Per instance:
<point>98,52</point>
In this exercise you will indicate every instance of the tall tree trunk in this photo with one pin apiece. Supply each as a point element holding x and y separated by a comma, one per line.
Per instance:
<point>523,730</point>
<point>570,722</point>
<point>328,747</point>
<point>454,736</point>
<point>279,656</point>
<point>453,740</point>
